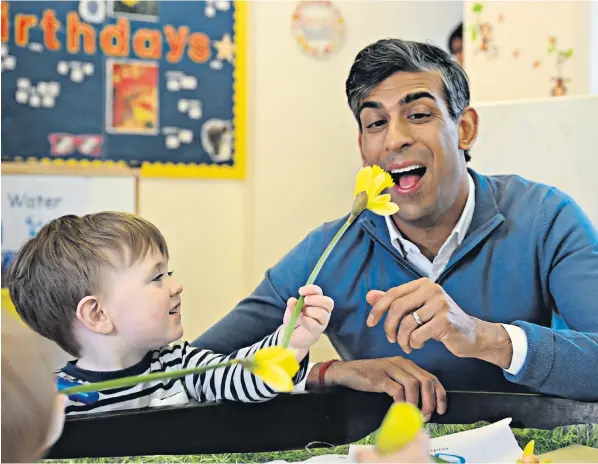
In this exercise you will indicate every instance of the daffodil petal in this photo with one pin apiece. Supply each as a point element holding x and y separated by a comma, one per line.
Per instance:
<point>402,423</point>
<point>275,377</point>
<point>381,180</point>
<point>271,353</point>
<point>529,449</point>
<point>377,186</point>
<point>363,180</point>
<point>384,198</point>
<point>377,170</point>
<point>382,206</point>
<point>289,365</point>
<point>279,356</point>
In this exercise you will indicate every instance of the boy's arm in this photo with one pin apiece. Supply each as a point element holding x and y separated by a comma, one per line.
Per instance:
<point>233,382</point>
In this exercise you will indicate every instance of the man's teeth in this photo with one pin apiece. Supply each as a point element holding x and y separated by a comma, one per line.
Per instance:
<point>407,169</point>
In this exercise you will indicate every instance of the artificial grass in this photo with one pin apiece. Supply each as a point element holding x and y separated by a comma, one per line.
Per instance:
<point>546,440</point>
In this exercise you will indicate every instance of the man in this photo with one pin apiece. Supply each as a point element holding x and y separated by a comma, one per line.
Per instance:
<point>463,280</point>
<point>455,43</point>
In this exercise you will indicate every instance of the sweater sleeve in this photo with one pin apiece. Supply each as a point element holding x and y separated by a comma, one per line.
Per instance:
<point>232,383</point>
<point>565,362</point>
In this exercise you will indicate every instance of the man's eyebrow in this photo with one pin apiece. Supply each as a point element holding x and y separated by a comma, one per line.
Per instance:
<point>410,97</point>
<point>368,104</point>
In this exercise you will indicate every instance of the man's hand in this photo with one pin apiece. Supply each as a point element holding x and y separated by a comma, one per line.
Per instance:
<point>398,377</point>
<point>442,320</point>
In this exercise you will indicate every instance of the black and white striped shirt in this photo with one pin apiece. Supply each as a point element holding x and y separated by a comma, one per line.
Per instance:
<point>230,383</point>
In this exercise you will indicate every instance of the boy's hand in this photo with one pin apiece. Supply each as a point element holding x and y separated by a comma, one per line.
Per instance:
<point>313,319</point>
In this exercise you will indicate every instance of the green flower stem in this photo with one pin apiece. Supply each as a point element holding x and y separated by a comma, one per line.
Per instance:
<point>135,379</point>
<point>312,277</point>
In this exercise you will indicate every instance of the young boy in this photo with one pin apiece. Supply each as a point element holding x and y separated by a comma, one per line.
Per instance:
<point>99,286</point>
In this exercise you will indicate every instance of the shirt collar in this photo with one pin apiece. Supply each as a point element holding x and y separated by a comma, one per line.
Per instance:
<point>460,229</point>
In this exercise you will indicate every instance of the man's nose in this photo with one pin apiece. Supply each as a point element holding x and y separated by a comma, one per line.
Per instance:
<point>397,137</point>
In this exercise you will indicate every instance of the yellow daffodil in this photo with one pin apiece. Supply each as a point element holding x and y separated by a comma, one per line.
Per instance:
<point>528,456</point>
<point>275,365</point>
<point>529,449</point>
<point>402,423</point>
<point>369,184</point>
<point>373,180</point>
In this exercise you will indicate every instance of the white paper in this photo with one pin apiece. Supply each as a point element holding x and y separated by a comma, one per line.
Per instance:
<point>492,443</point>
<point>327,458</point>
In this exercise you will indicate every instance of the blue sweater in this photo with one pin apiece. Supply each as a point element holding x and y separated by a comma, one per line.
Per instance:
<point>530,250</point>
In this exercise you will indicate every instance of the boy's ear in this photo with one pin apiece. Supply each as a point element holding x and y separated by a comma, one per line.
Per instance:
<point>91,314</point>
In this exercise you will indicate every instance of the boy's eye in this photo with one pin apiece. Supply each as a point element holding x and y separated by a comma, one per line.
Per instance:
<point>160,276</point>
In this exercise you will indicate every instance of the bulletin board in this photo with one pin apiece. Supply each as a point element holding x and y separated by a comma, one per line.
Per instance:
<point>154,85</point>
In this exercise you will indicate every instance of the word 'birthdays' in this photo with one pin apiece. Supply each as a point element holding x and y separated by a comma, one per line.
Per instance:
<point>114,39</point>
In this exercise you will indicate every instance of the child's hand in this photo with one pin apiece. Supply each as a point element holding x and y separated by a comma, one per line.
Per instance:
<point>416,451</point>
<point>313,319</point>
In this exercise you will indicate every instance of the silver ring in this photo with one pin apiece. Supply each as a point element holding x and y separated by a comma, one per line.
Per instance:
<point>417,319</point>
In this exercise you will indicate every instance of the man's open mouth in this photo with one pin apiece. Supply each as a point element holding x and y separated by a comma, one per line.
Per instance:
<point>408,178</point>
<point>175,310</point>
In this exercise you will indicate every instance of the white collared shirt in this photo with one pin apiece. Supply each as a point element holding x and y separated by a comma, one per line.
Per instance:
<point>433,269</point>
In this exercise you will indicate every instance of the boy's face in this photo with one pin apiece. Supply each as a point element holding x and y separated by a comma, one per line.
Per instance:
<point>144,303</point>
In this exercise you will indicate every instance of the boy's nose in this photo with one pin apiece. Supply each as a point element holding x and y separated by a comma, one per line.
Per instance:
<point>175,288</point>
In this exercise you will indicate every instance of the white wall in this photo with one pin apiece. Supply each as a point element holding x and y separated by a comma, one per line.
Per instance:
<point>520,32</point>
<point>303,156</point>
<point>552,141</point>
<point>594,47</point>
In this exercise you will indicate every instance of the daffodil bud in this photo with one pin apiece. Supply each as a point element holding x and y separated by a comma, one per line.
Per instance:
<point>359,204</point>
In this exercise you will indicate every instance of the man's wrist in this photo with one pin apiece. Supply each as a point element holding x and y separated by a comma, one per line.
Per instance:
<point>313,378</point>
<point>495,345</point>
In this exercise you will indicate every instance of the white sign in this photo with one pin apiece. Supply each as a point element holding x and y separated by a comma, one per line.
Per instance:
<point>29,202</point>
<point>492,443</point>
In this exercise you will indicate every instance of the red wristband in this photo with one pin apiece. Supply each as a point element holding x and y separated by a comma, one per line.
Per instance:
<point>323,370</point>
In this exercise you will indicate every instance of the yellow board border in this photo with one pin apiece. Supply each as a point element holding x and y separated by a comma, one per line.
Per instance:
<point>177,170</point>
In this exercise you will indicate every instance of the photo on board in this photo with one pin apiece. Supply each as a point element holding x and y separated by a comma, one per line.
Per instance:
<point>143,10</point>
<point>132,97</point>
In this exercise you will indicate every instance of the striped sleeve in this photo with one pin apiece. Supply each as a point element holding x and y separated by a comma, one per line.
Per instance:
<point>232,382</point>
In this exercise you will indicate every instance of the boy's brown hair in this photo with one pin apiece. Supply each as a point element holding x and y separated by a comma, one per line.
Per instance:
<point>55,270</point>
<point>28,390</point>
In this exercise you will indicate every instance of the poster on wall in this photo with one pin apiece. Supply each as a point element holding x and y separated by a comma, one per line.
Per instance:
<point>144,83</point>
<point>29,202</point>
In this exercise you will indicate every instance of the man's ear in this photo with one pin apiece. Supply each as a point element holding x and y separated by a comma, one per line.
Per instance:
<point>468,128</point>
<point>360,143</point>
<point>91,314</point>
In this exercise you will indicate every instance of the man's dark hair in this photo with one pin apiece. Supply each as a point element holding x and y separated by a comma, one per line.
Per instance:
<point>456,34</point>
<point>382,59</point>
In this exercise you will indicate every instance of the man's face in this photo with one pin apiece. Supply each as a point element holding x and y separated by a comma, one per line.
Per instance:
<point>407,130</point>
